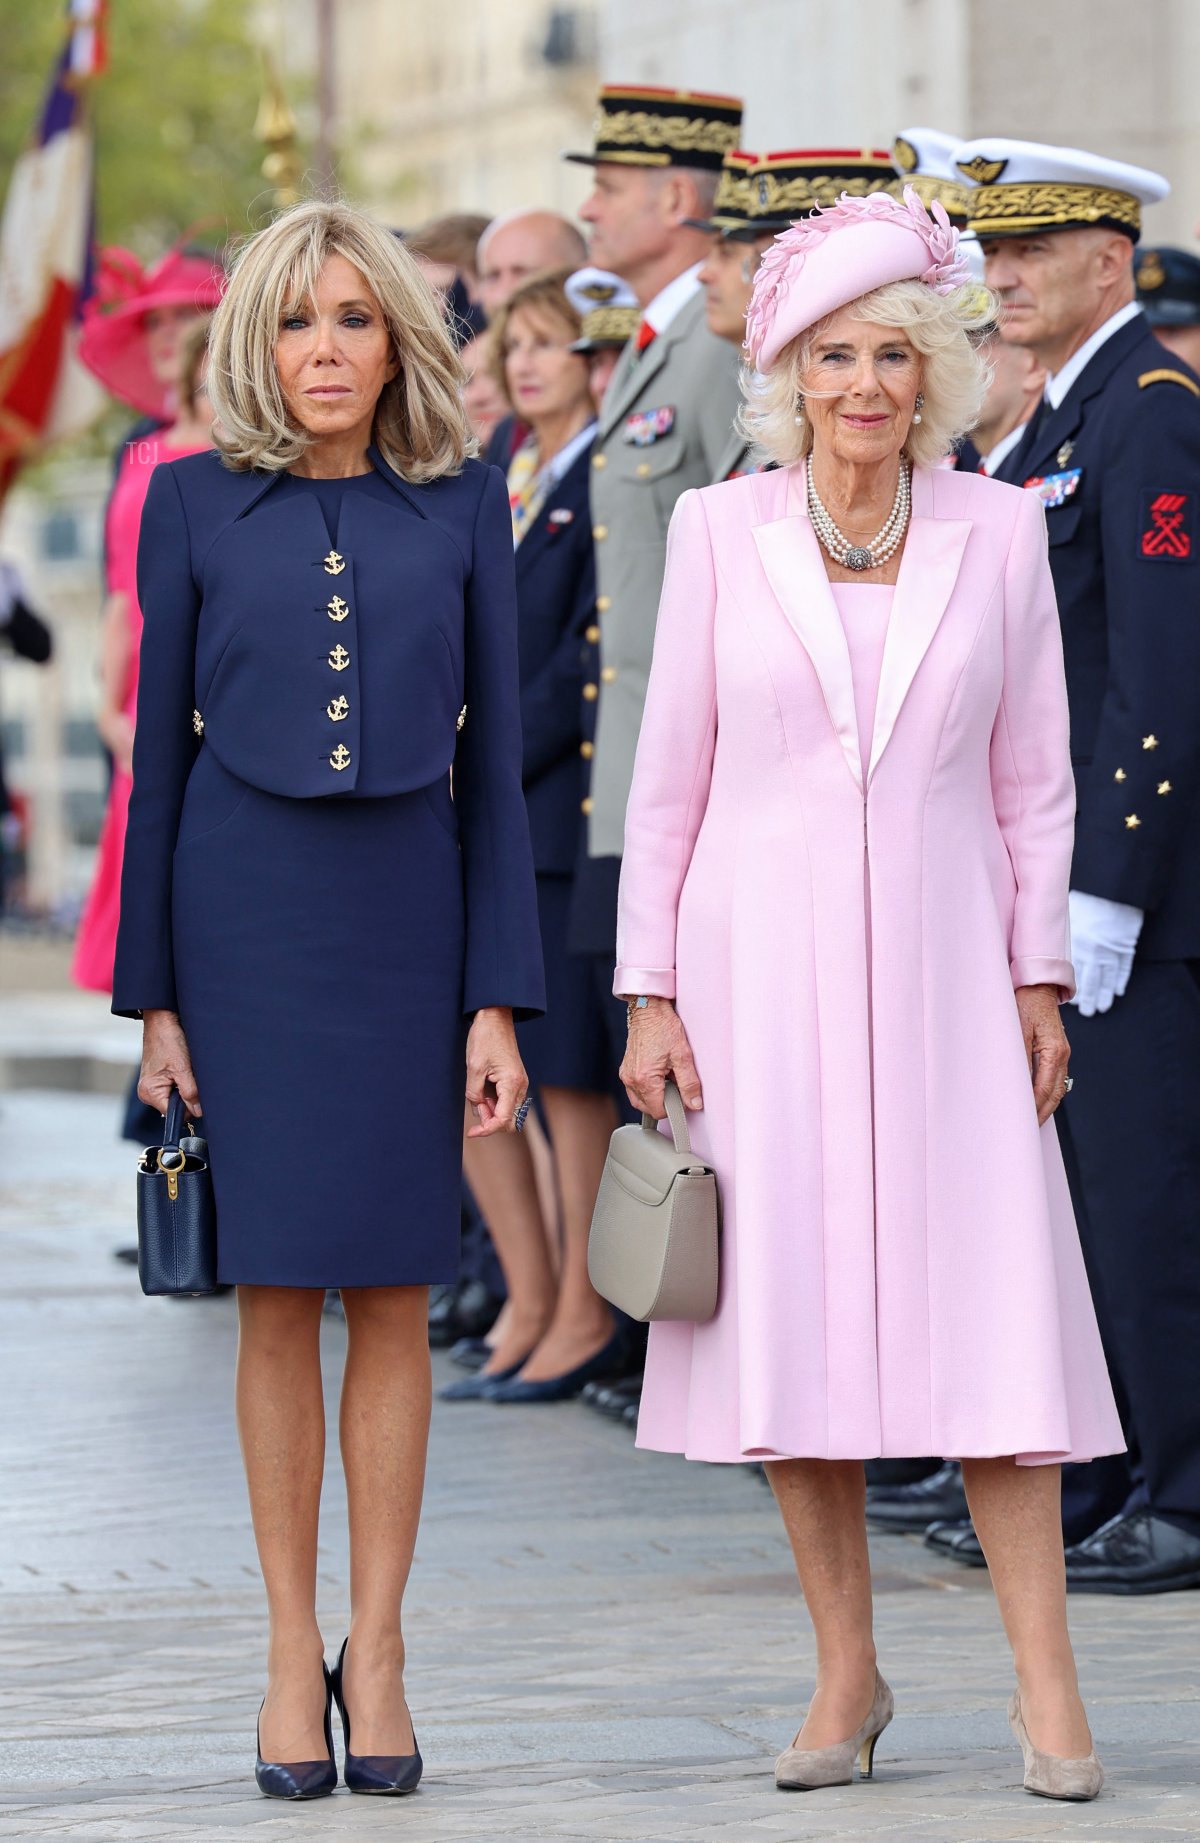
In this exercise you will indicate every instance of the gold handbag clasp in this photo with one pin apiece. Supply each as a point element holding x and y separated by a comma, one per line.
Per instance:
<point>172,1170</point>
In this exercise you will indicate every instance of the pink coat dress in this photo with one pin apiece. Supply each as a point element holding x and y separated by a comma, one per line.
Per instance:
<point>901,1272</point>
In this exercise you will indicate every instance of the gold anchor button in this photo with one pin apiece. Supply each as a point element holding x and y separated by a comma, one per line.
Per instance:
<point>340,758</point>
<point>337,609</point>
<point>337,709</point>
<point>339,659</point>
<point>334,563</point>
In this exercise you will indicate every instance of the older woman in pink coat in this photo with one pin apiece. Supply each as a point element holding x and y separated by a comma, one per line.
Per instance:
<point>843,932</point>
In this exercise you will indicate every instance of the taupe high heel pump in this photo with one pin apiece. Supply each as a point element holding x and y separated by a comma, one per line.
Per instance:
<point>1045,1773</point>
<point>803,1770</point>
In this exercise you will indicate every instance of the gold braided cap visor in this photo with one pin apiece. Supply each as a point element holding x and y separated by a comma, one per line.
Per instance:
<point>608,326</point>
<point>953,197</point>
<point>1022,209</point>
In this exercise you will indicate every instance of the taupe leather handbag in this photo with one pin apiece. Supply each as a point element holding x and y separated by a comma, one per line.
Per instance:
<point>655,1229</point>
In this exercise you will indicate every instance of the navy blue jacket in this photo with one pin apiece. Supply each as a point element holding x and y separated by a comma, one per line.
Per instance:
<point>1121,456</point>
<point>254,624</point>
<point>556,599</point>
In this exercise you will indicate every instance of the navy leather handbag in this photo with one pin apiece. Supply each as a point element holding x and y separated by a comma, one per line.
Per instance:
<point>176,1212</point>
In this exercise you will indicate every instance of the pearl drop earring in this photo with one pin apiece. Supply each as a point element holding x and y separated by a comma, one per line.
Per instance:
<point>919,406</point>
<point>800,407</point>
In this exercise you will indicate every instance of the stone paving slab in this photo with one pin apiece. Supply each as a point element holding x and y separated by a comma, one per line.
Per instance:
<point>604,1644</point>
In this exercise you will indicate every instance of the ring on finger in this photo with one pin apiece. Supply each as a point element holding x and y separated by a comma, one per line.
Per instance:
<point>522,1114</point>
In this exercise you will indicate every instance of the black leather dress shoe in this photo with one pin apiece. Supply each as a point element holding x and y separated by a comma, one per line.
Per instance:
<point>466,1310</point>
<point>1138,1553</point>
<point>957,1540</point>
<point>886,1474</point>
<point>613,1398</point>
<point>939,1498</point>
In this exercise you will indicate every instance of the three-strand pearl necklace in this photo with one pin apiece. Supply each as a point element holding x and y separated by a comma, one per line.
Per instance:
<point>862,556</point>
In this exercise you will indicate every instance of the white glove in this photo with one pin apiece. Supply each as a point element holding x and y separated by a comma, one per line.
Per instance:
<point>1104,935</point>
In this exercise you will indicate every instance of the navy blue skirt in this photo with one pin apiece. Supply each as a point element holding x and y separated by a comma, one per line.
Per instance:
<point>319,953</point>
<point>568,1047</point>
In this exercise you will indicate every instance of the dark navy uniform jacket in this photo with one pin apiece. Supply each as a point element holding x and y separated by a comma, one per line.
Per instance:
<point>316,673</point>
<point>556,599</point>
<point>1118,467</point>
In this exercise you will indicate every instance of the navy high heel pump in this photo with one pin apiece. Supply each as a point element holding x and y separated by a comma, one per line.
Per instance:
<point>300,1778</point>
<point>385,1774</point>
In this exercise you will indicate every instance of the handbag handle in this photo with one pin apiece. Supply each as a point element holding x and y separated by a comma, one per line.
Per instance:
<point>175,1122</point>
<point>677,1116</point>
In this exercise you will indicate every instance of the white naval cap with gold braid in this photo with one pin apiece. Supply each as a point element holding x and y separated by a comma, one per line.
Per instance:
<point>1022,188</point>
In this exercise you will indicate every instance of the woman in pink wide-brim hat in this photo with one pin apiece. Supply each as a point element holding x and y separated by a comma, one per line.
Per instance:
<point>139,337</point>
<point>844,905</point>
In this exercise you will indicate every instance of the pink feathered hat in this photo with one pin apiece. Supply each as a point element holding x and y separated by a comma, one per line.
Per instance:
<point>835,256</point>
<point>112,341</point>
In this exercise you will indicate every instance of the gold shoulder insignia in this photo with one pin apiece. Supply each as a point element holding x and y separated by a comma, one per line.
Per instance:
<point>983,172</point>
<point>1169,377</point>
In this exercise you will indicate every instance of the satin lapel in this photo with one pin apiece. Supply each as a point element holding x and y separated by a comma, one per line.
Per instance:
<point>929,569</point>
<point>791,558</point>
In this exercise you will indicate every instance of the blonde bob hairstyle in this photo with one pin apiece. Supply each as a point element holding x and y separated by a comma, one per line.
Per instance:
<point>954,376</point>
<point>420,425</point>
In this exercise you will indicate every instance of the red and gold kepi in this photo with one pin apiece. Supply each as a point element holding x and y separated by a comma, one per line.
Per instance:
<point>788,186</point>
<point>733,207</point>
<point>637,125</point>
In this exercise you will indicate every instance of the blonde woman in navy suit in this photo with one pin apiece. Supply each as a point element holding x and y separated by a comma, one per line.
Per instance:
<point>317,935</point>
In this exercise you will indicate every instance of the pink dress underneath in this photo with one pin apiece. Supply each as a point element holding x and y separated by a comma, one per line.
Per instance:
<point>96,937</point>
<point>864,609</point>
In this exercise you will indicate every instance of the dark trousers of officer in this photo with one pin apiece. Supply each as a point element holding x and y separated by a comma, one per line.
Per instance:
<point>1131,1144</point>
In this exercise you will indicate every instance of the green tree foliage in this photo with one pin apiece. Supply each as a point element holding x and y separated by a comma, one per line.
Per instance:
<point>174,115</point>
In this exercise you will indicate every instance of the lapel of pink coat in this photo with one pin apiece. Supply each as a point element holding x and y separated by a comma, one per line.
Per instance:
<point>790,554</point>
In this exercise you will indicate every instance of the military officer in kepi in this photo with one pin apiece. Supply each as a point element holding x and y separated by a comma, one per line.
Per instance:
<point>1114,455</point>
<point>760,195</point>
<point>610,316</point>
<point>664,426</point>
<point>1168,291</point>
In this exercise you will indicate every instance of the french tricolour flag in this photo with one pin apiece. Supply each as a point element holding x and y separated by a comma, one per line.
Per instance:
<point>45,259</point>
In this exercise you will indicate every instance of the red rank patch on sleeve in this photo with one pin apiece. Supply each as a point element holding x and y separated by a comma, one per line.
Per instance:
<point>1168,527</point>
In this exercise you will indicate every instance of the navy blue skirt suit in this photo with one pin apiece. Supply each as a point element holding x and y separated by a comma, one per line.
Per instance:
<point>328,866</point>
<point>568,1047</point>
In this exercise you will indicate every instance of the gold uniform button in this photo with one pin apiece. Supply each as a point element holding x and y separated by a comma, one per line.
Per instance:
<point>338,709</point>
<point>585,806</point>
<point>587,750</point>
<point>337,609</point>
<point>592,633</point>
<point>609,675</point>
<point>340,758</point>
<point>599,532</point>
<point>603,603</point>
<point>599,461</point>
<point>591,693</point>
<point>334,563</point>
<point>643,468</point>
<point>339,659</point>
<point>1132,822</point>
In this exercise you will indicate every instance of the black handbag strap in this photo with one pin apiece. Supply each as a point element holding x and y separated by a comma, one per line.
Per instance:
<point>175,1122</point>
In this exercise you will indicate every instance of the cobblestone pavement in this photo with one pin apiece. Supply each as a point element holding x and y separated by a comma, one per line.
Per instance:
<point>604,1644</point>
